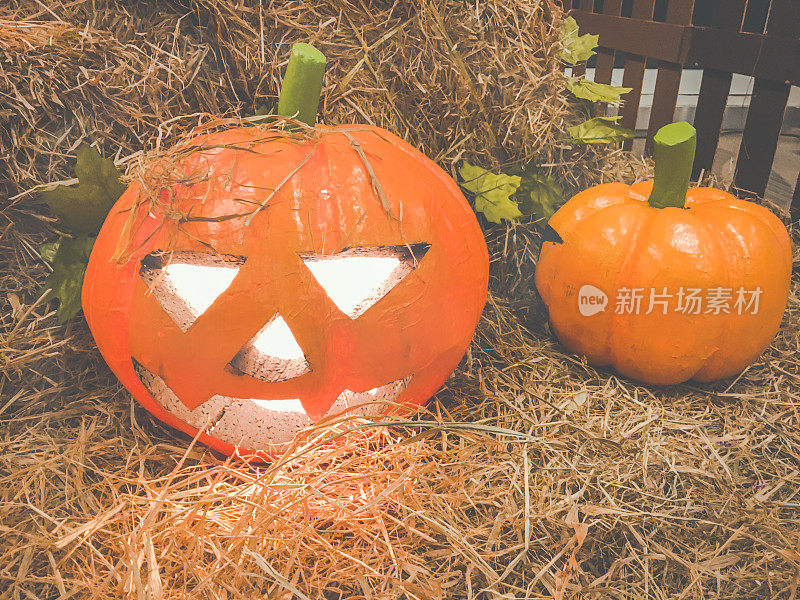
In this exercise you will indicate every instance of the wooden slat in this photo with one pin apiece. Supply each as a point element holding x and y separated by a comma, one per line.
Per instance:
<point>633,76</point>
<point>711,103</point>
<point>784,19</point>
<point>633,35</point>
<point>795,206</point>
<point>605,56</point>
<point>767,106</point>
<point>668,78</point>
<point>710,48</point>
<point>764,56</point>
<point>580,69</point>
<point>714,89</point>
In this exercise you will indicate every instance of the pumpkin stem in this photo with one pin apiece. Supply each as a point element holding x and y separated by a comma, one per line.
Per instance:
<point>674,153</point>
<point>302,84</point>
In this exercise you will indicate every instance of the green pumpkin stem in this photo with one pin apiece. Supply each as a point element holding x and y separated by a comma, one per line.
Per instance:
<point>674,154</point>
<point>302,84</point>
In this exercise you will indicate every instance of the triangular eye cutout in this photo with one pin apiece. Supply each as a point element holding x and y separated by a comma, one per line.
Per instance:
<point>357,278</point>
<point>187,283</point>
<point>273,354</point>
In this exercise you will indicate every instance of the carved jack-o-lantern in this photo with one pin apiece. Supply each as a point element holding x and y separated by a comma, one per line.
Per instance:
<point>279,278</point>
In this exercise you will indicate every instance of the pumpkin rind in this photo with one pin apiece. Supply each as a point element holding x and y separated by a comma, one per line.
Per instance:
<point>612,239</point>
<point>328,203</point>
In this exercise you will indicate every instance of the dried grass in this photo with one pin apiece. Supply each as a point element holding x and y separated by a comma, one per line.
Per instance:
<point>533,476</point>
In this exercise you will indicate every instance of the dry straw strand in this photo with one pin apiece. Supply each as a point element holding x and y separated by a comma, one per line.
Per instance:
<point>607,489</point>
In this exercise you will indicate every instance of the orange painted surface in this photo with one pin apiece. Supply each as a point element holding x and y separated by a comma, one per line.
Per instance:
<point>422,327</point>
<point>613,240</point>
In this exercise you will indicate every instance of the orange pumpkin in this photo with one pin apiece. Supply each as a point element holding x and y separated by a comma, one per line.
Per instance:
<point>662,284</point>
<point>299,276</point>
<point>415,276</point>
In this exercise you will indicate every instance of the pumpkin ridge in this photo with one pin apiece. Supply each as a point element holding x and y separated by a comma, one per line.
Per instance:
<point>709,242</point>
<point>718,239</point>
<point>736,252</point>
<point>434,170</point>
<point>762,213</point>
<point>632,254</point>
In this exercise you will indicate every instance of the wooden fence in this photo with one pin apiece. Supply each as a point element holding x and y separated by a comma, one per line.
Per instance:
<point>721,49</point>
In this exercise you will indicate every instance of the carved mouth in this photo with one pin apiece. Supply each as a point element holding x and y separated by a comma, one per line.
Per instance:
<point>267,425</point>
<point>370,403</point>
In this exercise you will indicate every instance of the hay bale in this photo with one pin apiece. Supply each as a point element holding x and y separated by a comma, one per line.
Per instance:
<point>455,79</point>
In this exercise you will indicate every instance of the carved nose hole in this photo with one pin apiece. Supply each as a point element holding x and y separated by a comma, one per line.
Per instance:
<point>272,355</point>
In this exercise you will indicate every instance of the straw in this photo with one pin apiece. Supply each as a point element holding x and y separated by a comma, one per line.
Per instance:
<point>608,489</point>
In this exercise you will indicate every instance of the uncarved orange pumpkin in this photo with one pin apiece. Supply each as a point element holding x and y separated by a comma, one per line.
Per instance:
<point>273,211</point>
<point>710,278</point>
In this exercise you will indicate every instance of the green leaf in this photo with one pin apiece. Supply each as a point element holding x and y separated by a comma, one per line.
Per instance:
<point>576,48</point>
<point>538,194</point>
<point>48,251</point>
<point>263,110</point>
<point>492,192</point>
<point>66,280</point>
<point>83,208</point>
<point>596,92</point>
<point>599,130</point>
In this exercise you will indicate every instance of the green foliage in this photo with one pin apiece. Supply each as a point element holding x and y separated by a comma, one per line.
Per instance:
<point>527,191</point>
<point>492,192</point>
<point>575,48</point>
<point>83,208</point>
<point>599,130</point>
<point>538,194</point>
<point>69,265</point>
<point>263,110</point>
<point>596,92</point>
<point>48,251</point>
